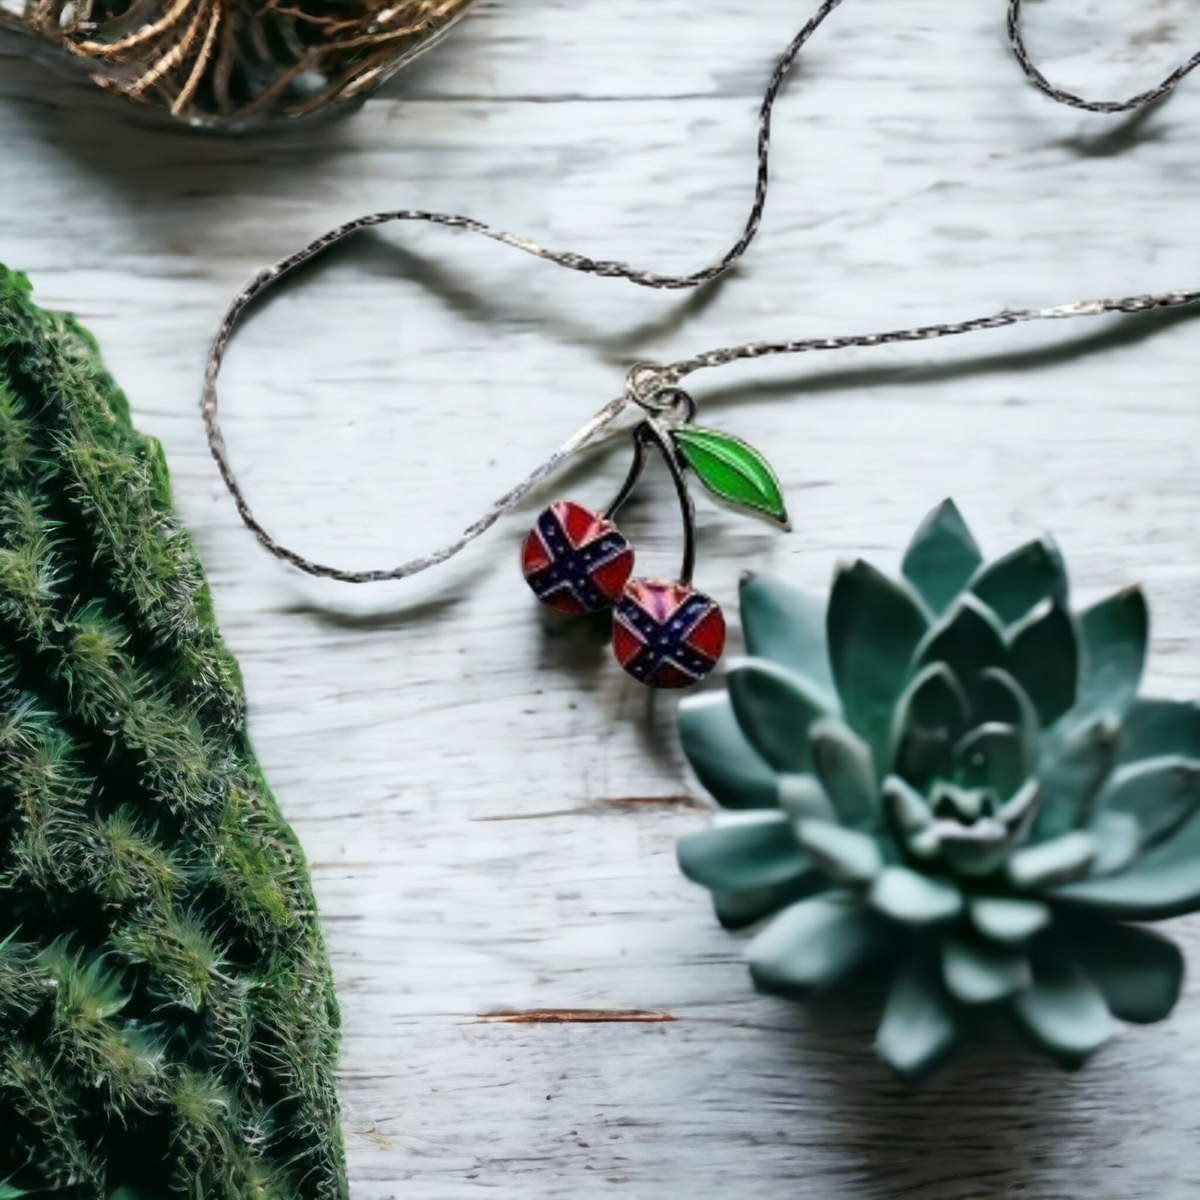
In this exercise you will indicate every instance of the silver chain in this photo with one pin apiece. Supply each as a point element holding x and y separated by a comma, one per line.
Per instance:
<point>647,383</point>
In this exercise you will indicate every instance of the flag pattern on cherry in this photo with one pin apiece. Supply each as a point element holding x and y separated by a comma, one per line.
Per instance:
<point>575,560</point>
<point>666,634</point>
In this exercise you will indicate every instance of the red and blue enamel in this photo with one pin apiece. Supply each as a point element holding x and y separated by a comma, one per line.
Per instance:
<point>665,634</point>
<point>575,560</point>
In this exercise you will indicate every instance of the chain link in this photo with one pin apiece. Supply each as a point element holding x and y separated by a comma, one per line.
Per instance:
<point>649,384</point>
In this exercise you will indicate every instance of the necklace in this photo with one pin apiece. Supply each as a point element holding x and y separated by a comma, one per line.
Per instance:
<point>666,634</point>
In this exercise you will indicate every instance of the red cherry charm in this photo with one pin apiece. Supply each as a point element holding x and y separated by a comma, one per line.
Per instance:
<point>666,634</point>
<point>576,560</point>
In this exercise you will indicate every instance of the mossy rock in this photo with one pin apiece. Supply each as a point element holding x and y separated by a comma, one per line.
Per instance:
<point>168,1025</point>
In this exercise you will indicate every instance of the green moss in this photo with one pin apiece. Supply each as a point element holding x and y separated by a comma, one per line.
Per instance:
<point>167,1019</point>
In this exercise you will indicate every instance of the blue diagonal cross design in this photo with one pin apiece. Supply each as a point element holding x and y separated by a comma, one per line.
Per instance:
<point>570,568</point>
<point>666,642</point>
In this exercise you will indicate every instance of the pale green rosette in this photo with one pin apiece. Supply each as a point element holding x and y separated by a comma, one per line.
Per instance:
<point>949,782</point>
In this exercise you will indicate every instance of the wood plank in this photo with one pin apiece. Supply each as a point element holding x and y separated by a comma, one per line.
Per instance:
<point>446,753</point>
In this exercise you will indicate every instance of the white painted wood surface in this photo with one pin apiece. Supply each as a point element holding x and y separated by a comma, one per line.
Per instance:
<point>450,758</point>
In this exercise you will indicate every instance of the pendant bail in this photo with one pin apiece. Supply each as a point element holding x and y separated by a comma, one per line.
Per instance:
<point>655,389</point>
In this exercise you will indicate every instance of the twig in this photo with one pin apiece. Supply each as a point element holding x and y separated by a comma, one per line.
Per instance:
<point>189,89</point>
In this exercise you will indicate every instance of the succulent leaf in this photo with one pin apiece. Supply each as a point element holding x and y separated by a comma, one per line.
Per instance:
<point>914,899</point>
<point>996,757</point>
<point>942,556</point>
<point>1118,840</point>
<point>845,855</point>
<point>774,708</point>
<point>1015,814</point>
<point>907,806</point>
<point>1114,634</point>
<point>874,626</point>
<point>1007,919</point>
<point>970,640</point>
<point>1057,861</point>
<point>980,972</point>
<point>816,943</point>
<point>1023,578</point>
<point>842,763</point>
<point>931,716</point>
<point>1074,765</point>
<point>999,697</point>
<point>1162,882</point>
<point>786,625</point>
<point>1139,973</point>
<point>1044,660</point>
<point>758,852</point>
<point>919,1022</point>
<point>733,471</point>
<point>1157,727</point>
<point>934,699</point>
<point>1159,793</point>
<point>736,910</point>
<point>802,796</point>
<point>724,761</point>
<point>1064,1010</point>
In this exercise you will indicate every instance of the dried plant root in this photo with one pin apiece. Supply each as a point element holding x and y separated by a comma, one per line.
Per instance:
<point>231,62</point>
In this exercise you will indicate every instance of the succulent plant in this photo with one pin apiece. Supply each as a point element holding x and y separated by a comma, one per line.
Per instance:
<point>949,784</point>
<point>168,1025</point>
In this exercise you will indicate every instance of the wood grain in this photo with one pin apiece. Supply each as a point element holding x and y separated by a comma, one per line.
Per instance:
<point>374,411</point>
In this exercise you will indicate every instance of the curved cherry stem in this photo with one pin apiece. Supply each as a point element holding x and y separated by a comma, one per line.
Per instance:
<point>635,473</point>
<point>651,433</point>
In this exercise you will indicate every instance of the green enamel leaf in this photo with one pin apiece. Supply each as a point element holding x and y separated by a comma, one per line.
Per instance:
<point>942,556</point>
<point>733,471</point>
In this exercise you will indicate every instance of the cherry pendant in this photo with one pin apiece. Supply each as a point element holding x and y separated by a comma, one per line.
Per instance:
<point>575,560</point>
<point>667,634</point>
